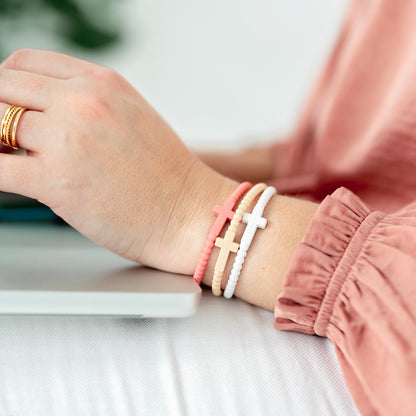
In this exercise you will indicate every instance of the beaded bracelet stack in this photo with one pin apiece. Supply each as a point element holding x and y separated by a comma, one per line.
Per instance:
<point>227,245</point>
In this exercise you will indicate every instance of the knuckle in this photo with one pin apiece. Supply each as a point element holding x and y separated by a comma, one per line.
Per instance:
<point>16,58</point>
<point>91,106</point>
<point>106,74</point>
<point>98,71</point>
<point>101,76</point>
<point>35,85</point>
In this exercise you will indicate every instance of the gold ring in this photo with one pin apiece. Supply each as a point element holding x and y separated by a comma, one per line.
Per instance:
<point>9,124</point>
<point>14,127</point>
<point>5,125</point>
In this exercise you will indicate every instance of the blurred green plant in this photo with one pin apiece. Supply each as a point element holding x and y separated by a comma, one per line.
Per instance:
<point>87,23</point>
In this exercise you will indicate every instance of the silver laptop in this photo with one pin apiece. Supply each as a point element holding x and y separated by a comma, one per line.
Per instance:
<point>47,269</point>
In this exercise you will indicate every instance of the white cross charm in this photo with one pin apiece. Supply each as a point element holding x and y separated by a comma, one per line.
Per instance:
<point>254,219</point>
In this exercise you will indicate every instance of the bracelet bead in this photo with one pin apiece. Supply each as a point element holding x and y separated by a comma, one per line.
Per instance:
<point>253,221</point>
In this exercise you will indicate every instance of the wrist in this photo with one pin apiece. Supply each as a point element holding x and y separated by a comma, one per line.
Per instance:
<point>268,258</point>
<point>190,218</point>
<point>209,189</point>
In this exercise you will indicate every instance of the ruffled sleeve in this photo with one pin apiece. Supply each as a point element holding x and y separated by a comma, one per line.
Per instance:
<point>353,279</point>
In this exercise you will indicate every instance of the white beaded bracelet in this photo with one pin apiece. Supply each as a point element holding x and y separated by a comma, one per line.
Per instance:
<point>253,221</point>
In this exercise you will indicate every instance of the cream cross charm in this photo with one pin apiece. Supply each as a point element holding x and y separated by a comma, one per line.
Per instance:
<point>227,245</point>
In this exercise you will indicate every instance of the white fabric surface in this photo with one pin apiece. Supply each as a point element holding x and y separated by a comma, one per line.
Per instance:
<point>226,360</point>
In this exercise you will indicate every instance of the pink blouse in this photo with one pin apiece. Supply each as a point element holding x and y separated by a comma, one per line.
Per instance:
<point>353,276</point>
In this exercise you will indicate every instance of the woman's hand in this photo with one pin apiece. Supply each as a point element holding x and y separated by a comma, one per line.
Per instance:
<point>102,158</point>
<point>109,165</point>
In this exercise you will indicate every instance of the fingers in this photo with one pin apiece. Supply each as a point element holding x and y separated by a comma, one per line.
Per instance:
<point>48,63</point>
<point>26,89</point>
<point>20,175</point>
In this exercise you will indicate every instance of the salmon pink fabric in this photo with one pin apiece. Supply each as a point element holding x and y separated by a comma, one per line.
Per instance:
<point>353,276</point>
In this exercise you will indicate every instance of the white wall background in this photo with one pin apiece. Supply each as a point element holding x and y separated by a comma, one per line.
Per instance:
<point>222,72</point>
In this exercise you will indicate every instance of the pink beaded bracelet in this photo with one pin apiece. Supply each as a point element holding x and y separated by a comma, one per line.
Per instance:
<point>224,213</point>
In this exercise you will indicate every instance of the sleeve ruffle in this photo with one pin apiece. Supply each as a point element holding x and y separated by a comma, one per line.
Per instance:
<point>320,262</point>
<point>352,279</point>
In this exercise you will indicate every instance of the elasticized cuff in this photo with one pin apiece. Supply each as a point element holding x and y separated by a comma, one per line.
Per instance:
<point>322,261</point>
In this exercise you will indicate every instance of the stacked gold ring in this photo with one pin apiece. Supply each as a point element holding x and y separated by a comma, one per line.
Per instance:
<point>9,124</point>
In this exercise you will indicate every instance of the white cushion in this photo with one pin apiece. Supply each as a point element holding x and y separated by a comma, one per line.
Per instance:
<point>226,360</point>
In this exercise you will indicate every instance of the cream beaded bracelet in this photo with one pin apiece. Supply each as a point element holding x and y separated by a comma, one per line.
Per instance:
<point>253,221</point>
<point>227,244</point>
